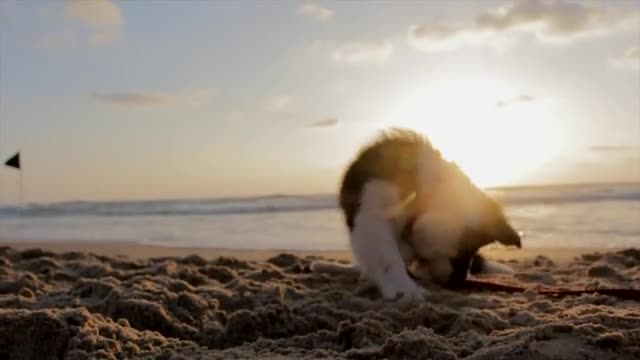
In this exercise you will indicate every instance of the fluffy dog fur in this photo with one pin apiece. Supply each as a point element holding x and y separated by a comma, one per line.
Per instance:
<point>405,206</point>
<point>396,165</point>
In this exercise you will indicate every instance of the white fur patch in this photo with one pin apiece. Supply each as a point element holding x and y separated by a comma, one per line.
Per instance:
<point>374,242</point>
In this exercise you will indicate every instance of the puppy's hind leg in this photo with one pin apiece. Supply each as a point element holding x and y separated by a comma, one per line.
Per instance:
<point>374,244</point>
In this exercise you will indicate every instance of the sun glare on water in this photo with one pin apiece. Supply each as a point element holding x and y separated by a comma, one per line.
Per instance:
<point>496,135</point>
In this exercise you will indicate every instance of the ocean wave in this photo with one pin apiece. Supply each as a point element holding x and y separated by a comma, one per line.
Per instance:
<point>284,203</point>
<point>270,204</point>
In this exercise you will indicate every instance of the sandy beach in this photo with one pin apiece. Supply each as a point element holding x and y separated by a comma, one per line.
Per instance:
<point>127,301</point>
<point>161,160</point>
<point>141,251</point>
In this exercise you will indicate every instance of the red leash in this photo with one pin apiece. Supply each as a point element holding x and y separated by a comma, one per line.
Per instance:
<point>478,285</point>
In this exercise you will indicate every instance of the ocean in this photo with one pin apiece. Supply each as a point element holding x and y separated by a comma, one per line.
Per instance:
<point>577,216</point>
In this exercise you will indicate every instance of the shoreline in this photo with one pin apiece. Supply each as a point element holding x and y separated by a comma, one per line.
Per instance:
<point>135,250</point>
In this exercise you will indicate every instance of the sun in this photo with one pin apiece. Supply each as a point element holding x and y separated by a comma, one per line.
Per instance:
<point>495,145</point>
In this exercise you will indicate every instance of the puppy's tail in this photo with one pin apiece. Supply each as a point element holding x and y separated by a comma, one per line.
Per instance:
<point>332,268</point>
<point>480,265</point>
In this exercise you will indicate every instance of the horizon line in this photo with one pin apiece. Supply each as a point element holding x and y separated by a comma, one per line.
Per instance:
<point>277,195</point>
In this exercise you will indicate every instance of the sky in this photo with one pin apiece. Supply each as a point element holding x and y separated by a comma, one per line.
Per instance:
<point>117,100</point>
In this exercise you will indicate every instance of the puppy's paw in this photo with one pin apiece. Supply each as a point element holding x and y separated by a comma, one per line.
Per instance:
<point>414,293</point>
<point>406,290</point>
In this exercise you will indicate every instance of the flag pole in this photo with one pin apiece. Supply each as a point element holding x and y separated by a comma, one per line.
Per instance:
<point>21,190</point>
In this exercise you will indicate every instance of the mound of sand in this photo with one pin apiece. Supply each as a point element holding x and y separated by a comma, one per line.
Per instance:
<point>83,306</point>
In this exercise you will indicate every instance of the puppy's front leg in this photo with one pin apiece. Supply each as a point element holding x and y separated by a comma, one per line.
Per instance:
<point>375,246</point>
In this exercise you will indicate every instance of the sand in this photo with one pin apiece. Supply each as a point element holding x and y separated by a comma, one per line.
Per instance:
<point>79,301</point>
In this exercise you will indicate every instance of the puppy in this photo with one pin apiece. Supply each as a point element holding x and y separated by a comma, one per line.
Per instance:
<point>387,191</point>
<point>377,187</point>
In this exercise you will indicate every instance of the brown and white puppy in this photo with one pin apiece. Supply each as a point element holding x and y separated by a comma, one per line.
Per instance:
<point>400,181</point>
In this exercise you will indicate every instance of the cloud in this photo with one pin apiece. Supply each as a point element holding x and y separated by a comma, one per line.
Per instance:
<point>357,52</point>
<point>330,122</point>
<point>316,12</point>
<point>610,148</point>
<point>515,100</point>
<point>135,99</point>
<point>557,18</point>
<point>80,22</point>
<point>629,59</point>
<point>95,13</point>
<point>441,37</point>
<point>552,22</point>
<point>103,17</point>
<point>191,98</point>
<point>277,102</point>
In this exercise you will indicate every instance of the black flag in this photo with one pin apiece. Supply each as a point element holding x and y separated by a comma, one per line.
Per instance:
<point>14,161</point>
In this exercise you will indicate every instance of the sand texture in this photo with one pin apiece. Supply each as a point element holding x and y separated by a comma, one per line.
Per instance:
<point>76,305</point>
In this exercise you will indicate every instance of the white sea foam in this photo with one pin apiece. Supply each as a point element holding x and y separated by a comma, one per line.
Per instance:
<point>564,216</point>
